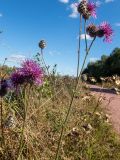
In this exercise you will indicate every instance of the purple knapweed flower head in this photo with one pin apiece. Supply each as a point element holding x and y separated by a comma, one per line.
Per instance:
<point>91,6</point>
<point>30,72</point>
<point>3,88</point>
<point>17,77</point>
<point>105,30</point>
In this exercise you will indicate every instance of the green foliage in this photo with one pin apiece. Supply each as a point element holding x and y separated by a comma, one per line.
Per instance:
<point>45,89</point>
<point>107,66</point>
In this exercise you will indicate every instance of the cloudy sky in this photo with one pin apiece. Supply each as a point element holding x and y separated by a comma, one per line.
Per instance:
<point>24,22</point>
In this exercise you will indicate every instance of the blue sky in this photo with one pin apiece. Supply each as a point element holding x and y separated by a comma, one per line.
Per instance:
<point>25,22</point>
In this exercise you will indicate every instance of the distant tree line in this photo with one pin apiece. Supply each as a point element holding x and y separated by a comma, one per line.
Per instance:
<point>107,66</point>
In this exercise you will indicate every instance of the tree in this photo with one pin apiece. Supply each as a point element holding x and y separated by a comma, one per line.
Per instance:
<point>107,66</point>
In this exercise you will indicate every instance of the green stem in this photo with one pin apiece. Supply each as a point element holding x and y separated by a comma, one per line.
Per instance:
<point>85,35</point>
<point>71,102</point>
<point>79,45</point>
<point>44,62</point>
<point>23,128</point>
<point>2,129</point>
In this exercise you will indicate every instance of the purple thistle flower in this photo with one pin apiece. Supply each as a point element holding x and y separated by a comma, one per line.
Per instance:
<point>17,77</point>
<point>91,6</point>
<point>105,30</point>
<point>30,72</point>
<point>3,88</point>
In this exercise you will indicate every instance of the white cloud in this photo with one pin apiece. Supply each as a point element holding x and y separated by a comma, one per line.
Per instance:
<point>74,13</point>
<point>98,3</point>
<point>16,58</point>
<point>117,24</point>
<point>93,59</point>
<point>108,1</point>
<point>64,1</point>
<point>54,53</point>
<point>87,37</point>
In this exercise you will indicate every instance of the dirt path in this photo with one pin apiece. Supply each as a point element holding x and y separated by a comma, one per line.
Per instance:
<point>112,104</point>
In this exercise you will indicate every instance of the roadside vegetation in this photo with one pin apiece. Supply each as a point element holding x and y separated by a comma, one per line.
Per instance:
<point>46,116</point>
<point>88,134</point>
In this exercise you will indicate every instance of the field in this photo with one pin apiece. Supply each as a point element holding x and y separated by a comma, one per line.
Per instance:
<point>88,134</point>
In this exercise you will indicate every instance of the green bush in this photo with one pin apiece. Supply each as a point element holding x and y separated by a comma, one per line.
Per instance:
<point>107,66</point>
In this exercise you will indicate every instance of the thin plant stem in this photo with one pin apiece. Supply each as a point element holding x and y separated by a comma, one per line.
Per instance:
<point>86,47</point>
<point>85,35</point>
<point>23,128</point>
<point>44,62</point>
<point>72,100</point>
<point>79,45</point>
<point>52,78</point>
<point>87,52</point>
<point>2,129</point>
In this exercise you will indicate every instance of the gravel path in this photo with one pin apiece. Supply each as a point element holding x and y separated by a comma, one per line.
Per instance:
<point>111,102</point>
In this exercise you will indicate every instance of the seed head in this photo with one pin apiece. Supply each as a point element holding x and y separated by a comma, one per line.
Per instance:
<point>82,7</point>
<point>42,44</point>
<point>87,9</point>
<point>92,30</point>
<point>86,15</point>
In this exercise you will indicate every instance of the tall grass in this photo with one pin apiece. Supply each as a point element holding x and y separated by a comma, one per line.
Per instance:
<point>87,135</point>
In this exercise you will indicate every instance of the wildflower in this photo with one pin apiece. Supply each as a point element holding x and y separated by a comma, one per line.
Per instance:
<point>105,31</point>
<point>17,77</point>
<point>42,44</point>
<point>30,72</point>
<point>3,88</point>
<point>82,7</point>
<point>91,6</point>
<point>92,30</point>
<point>87,9</point>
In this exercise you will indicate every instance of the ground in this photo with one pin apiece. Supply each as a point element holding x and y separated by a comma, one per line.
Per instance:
<point>111,102</point>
